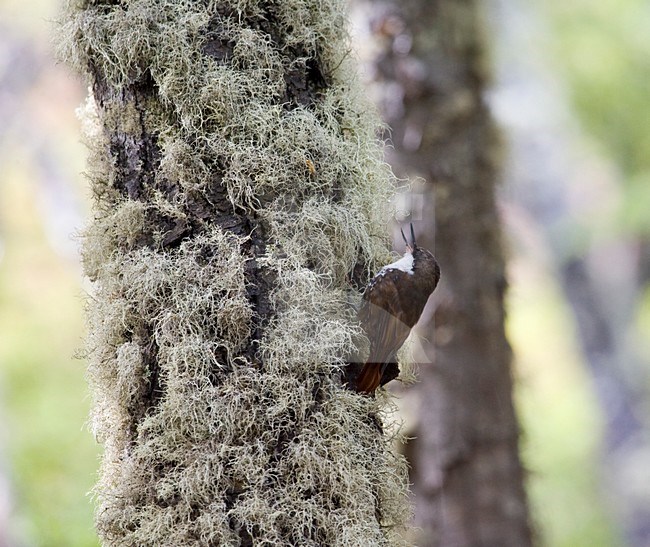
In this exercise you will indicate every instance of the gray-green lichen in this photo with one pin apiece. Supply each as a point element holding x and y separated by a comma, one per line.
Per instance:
<point>210,446</point>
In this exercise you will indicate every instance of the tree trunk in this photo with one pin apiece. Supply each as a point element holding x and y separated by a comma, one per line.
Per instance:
<point>239,205</point>
<point>466,474</point>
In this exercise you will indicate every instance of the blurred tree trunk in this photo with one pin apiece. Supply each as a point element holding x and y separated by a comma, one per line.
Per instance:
<point>466,474</point>
<point>238,190</point>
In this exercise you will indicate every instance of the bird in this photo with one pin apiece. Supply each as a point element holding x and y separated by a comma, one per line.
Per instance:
<point>392,304</point>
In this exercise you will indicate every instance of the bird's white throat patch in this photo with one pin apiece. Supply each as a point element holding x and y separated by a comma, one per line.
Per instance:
<point>405,264</point>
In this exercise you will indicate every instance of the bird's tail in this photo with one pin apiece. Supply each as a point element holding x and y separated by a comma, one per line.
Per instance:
<point>369,378</point>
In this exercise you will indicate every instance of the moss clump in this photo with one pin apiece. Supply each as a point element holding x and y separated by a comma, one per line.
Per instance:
<point>220,426</point>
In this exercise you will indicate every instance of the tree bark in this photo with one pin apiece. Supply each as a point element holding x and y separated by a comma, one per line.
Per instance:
<point>466,473</point>
<point>239,193</point>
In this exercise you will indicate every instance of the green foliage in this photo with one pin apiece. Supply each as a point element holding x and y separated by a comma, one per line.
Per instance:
<point>51,457</point>
<point>603,50</point>
<point>560,418</point>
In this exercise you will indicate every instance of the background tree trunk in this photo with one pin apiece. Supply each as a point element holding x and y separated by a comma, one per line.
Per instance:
<point>466,474</point>
<point>239,194</point>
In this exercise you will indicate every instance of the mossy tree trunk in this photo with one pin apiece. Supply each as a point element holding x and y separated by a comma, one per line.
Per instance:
<point>239,205</point>
<point>466,472</point>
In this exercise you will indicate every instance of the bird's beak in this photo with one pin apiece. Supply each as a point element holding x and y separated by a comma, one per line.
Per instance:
<point>413,245</point>
<point>409,246</point>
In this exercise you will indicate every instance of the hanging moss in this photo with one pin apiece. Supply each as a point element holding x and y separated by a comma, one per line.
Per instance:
<point>239,189</point>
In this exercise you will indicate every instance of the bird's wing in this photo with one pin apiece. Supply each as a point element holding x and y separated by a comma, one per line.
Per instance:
<point>383,318</point>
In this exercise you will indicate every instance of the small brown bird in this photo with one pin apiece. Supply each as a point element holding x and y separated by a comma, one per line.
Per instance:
<point>392,304</point>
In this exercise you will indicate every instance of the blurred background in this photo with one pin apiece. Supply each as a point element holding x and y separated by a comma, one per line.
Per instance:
<point>47,456</point>
<point>571,92</point>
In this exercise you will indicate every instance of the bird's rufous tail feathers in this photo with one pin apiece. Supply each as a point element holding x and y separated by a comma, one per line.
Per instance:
<point>369,378</point>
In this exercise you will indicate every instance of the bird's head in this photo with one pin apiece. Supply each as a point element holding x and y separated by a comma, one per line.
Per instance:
<point>423,261</point>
